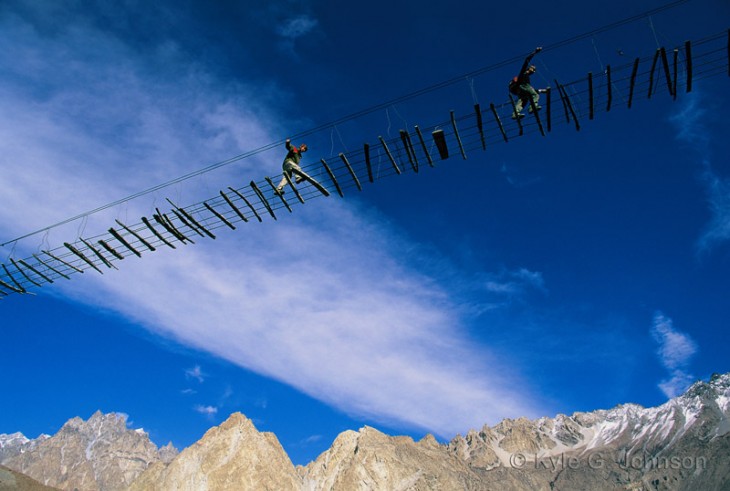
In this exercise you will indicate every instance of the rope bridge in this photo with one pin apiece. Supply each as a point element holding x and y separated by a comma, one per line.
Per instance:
<point>574,103</point>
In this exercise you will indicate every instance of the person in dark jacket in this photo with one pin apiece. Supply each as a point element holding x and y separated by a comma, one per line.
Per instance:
<point>523,89</point>
<point>291,162</point>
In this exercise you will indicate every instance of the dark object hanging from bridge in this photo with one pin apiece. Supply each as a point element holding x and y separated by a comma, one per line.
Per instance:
<point>366,150</point>
<point>456,134</point>
<point>219,216</point>
<point>332,178</point>
<point>688,62</point>
<point>440,140</point>
<point>632,83</point>
<point>590,95</point>
<point>248,203</point>
<point>262,198</point>
<point>423,145</point>
<point>390,155</point>
<point>408,145</point>
<point>351,171</point>
<point>281,195</point>
<point>480,125</point>
<point>499,122</point>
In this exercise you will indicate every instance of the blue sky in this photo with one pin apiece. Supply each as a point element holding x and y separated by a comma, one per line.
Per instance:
<point>543,276</point>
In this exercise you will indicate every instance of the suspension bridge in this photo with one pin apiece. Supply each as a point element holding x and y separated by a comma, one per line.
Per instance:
<point>667,72</point>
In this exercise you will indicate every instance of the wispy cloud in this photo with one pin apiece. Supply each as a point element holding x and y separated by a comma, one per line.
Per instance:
<point>209,411</point>
<point>691,124</point>
<point>320,300</point>
<point>297,27</point>
<point>675,352</point>
<point>195,373</point>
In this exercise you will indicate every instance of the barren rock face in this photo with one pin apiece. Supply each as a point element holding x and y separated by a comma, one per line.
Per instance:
<point>100,454</point>
<point>232,456</point>
<point>368,460</point>
<point>680,445</point>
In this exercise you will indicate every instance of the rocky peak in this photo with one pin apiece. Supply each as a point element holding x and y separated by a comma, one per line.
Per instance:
<point>100,454</point>
<point>234,455</point>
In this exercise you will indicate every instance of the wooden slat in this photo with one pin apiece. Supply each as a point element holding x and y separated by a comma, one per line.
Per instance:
<point>332,177</point>
<point>390,156</point>
<point>139,237</point>
<point>456,134</point>
<point>499,122</point>
<point>262,198</point>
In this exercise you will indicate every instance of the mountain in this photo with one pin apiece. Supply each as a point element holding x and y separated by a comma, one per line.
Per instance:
<point>14,481</point>
<point>683,444</point>
<point>234,455</point>
<point>100,454</point>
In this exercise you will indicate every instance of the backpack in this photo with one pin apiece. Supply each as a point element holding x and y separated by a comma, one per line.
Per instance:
<point>514,86</point>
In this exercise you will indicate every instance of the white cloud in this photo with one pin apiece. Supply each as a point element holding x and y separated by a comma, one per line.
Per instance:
<point>675,351</point>
<point>691,123</point>
<point>297,27</point>
<point>209,411</point>
<point>320,300</point>
<point>195,373</point>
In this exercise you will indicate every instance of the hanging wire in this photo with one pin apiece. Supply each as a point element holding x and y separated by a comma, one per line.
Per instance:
<point>470,81</point>
<point>656,39</point>
<point>361,113</point>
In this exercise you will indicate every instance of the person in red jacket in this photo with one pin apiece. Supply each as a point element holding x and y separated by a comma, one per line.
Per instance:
<point>521,87</point>
<point>291,162</point>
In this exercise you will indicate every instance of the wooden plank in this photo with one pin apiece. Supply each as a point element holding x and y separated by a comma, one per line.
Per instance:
<point>167,224</point>
<point>516,116</point>
<point>234,207</point>
<point>46,278</point>
<point>280,195</point>
<point>51,267</point>
<point>456,134</point>
<point>20,270</point>
<point>366,151</point>
<point>185,222</point>
<point>439,140</point>
<point>564,94</point>
<point>406,140</point>
<point>192,220</point>
<point>390,155</point>
<point>562,100</point>
<point>98,254</point>
<point>688,62</point>
<point>423,146</point>
<point>110,249</point>
<point>17,289</point>
<point>157,234</point>
<point>219,216</point>
<point>651,73</point>
<point>632,82</point>
<point>480,125</point>
<point>262,198</point>
<point>667,76</point>
<point>351,171</point>
<point>248,203</point>
<point>78,270</point>
<point>139,237</point>
<point>124,242</point>
<point>548,108</point>
<point>535,112</point>
<point>499,122</point>
<point>333,178</point>
<point>291,184</point>
<point>590,95</point>
<point>311,181</point>
<point>82,257</point>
